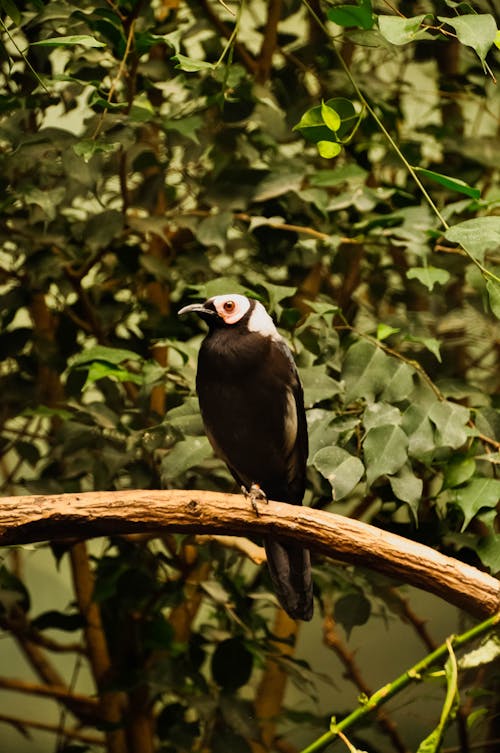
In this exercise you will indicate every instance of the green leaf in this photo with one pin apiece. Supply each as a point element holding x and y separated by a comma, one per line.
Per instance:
<point>279,182</point>
<point>312,118</point>
<point>189,65</point>
<point>45,411</point>
<point>105,354</point>
<point>351,610</point>
<point>454,184</point>
<point>82,39</point>
<point>366,371</point>
<point>478,715</point>
<point>477,236</point>
<point>329,149</point>
<point>187,127</point>
<point>213,230</point>
<point>342,174</point>
<point>100,370</point>
<point>331,118</point>
<point>10,8</point>
<point>488,550</point>
<point>476,495</point>
<point>400,384</point>
<point>478,30</point>
<point>384,331</point>
<point>348,117</point>
<point>385,451</point>
<point>231,664</point>
<point>408,488</point>
<point>341,469</point>
<point>312,124</point>
<point>429,276</point>
<point>86,148</point>
<point>380,414</point>
<point>398,30</point>
<point>358,16</point>
<point>450,421</point>
<point>458,470</point>
<point>493,288</point>
<point>183,456</point>
<point>318,386</point>
<point>486,653</point>
<point>430,343</point>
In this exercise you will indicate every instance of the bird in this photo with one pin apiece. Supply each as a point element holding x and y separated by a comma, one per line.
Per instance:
<point>252,405</point>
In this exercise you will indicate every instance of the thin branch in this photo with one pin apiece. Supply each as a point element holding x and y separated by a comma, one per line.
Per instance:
<point>19,628</point>
<point>254,552</point>
<point>269,40</point>
<point>60,693</point>
<point>333,640</point>
<point>239,48</point>
<point>301,229</point>
<point>419,625</point>
<point>21,724</point>
<point>32,518</point>
<point>116,80</point>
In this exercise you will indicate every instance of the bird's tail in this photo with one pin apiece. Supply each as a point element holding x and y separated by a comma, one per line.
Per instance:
<point>290,569</point>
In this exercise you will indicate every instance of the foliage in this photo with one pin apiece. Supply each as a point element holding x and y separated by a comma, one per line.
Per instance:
<point>155,153</point>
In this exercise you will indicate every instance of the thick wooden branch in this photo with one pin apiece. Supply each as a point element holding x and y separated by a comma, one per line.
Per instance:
<point>26,519</point>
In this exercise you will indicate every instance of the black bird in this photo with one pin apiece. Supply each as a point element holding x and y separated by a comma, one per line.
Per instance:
<point>252,405</point>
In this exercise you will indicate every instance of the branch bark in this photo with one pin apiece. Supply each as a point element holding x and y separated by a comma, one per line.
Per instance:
<point>26,519</point>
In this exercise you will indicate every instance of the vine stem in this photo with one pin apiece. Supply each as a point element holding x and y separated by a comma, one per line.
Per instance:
<point>413,674</point>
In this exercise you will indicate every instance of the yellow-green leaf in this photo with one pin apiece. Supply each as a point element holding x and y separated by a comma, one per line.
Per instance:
<point>330,117</point>
<point>329,149</point>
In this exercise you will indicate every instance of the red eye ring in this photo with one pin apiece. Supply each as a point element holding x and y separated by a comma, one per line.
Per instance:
<point>228,306</point>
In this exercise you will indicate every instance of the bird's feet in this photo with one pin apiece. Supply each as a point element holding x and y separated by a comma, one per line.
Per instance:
<point>254,494</point>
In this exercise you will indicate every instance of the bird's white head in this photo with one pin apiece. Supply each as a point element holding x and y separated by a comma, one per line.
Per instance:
<point>231,308</point>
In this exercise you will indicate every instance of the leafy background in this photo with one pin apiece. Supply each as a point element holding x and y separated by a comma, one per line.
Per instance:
<point>157,153</point>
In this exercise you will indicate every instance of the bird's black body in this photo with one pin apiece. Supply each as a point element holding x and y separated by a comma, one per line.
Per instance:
<point>252,405</point>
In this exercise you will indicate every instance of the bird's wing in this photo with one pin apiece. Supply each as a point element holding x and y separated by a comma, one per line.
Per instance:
<point>296,446</point>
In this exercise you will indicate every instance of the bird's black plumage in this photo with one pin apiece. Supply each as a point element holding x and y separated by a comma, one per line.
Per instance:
<point>252,405</point>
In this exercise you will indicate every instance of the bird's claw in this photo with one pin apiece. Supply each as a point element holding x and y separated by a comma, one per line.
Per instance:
<point>254,494</point>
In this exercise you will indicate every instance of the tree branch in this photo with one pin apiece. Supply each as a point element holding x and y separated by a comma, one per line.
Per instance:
<point>32,518</point>
<point>111,702</point>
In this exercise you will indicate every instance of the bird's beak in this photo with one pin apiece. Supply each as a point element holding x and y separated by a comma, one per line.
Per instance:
<point>197,308</point>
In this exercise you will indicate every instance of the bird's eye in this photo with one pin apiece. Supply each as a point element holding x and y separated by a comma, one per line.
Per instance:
<point>228,306</point>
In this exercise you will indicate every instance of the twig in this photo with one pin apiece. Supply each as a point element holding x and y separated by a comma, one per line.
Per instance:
<point>18,626</point>
<point>333,640</point>
<point>254,552</point>
<point>417,622</point>
<point>245,57</point>
<point>269,39</point>
<point>114,83</point>
<point>60,693</point>
<point>20,724</point>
